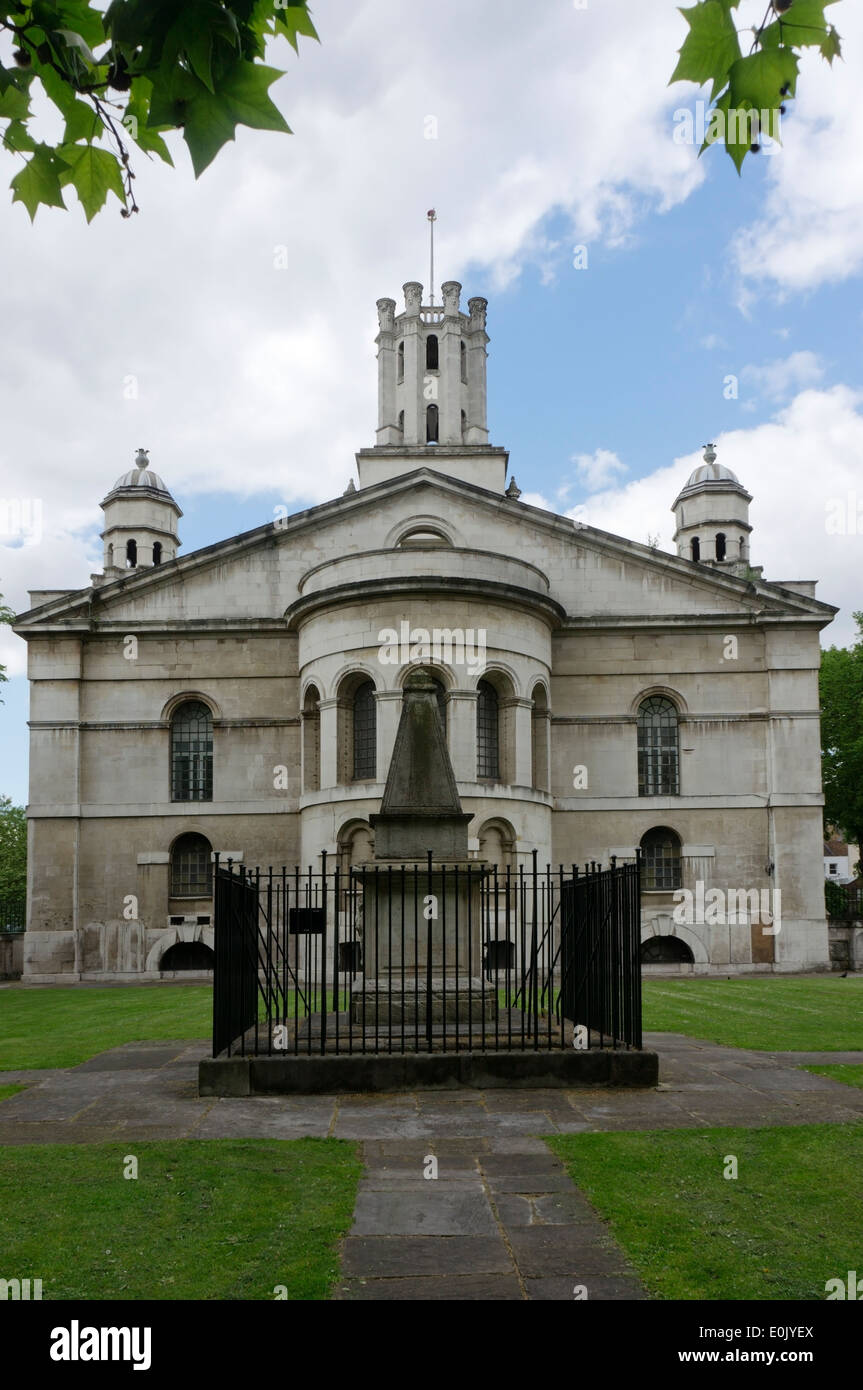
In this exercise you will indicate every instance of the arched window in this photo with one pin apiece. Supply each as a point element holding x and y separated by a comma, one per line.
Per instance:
<point>312,740</point>
<point>463,362</point>
<point>432,425</point>
<point>131,554</point>
<point>188,955</point>
<point>192,752</point>
<point>665,950</point>
<point>423,537</point>
<point>660,849</point>
<point>658,757</point>
<point>401,362</point>
<point>402,421</point>
<point>191,868</point>
<point>157,552</point>
<point>463,425</point>
<point>487,732</point>
<point>365,732</point>
<point>720,546</point>
<point>432,356</point>
<point>695,548</point>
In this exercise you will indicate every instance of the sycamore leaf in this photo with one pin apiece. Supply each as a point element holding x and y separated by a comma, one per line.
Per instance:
<point>15,137</point>
<point>710,47</point>
<point>82,123</point>
<point>136,120</point>
<point>57,90</point>
<point>730,128</point>
<point>293,20</point>
<point>831,47</point>
<point>14,104</point>
<point>210,121</point>
<point>93,173</point>
<point>77,16</point>
<point>759,80</point>
<point>39,181</point>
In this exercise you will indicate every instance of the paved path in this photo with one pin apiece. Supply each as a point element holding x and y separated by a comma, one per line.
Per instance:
<point>501,1220</point>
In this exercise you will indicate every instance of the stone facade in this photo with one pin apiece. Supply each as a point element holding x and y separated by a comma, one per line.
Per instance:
<point>276,633</point>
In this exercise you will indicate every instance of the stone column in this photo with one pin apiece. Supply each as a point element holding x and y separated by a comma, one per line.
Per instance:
<point>476,339</point>
<point>389,708</point>
<point>387,410</point>
<point>461,734</point>
<point>329,710</point>
<point>412,391</point>
<point>521,713</point>
<point>449,338</point>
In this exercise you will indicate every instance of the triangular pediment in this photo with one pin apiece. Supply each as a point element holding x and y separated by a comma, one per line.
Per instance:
<point>586,572</point>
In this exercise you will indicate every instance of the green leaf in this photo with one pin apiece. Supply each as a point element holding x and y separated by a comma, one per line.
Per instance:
<point>15,137</point>
<point>209,121</point>
<point>93,173</point>
<point>831,47</point>
<point>14,104</point>
<point>39,181</point>
<point>293,20</point>
<point>759,80</point>
<point>77,16</point>
<point>73,40</point>
<point>136,118</point>
<point>62,95</point>
<point>710,47</point>
<point>803,25</point>
<point>82,123</point>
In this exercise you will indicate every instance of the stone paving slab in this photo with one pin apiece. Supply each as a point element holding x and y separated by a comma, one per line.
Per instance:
<point>389,1257</point>
<point>425,1212</point>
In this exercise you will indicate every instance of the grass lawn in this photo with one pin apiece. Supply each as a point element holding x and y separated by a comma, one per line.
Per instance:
<point>780,1230</point>
<point>824,1014</point>
<point>62,1027</point>
<point>205,1219</point>
<point>7,1091</point>
<point>851,1073</point>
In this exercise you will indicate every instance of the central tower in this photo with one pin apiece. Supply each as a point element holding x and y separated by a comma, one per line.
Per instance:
<point>432,391</point>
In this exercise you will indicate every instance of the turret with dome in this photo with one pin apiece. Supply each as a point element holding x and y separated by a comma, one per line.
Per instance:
<point>140,521</point>
<point>712,515</point>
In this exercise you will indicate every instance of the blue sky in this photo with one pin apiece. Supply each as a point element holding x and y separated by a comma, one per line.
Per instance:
<point>254,388</point>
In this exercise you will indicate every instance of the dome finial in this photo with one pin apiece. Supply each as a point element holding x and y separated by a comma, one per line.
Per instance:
<point>709,453</point>
<point>141,459</point>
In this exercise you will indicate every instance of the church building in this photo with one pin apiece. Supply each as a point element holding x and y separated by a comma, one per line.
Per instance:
<point>598,696</point>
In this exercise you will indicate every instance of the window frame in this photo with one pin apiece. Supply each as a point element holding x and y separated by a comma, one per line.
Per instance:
<point>658,757</point>
<point>197,779</point>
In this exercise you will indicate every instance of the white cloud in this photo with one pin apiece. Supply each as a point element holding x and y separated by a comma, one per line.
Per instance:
<point>597,470</point>
<point>810,230</point>
<point>797,466</point>
<point>774,381</point>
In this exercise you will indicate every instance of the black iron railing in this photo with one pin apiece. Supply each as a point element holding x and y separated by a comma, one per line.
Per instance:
<point>433,957</point>
<point>844,904</point>
<point>13,915</point>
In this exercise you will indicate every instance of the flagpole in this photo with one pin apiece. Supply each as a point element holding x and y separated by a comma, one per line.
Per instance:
<point>432,217</point>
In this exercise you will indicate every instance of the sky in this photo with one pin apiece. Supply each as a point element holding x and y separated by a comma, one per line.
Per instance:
<point>642,301</point>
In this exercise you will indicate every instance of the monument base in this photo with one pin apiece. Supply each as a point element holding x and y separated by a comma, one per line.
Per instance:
<point>450,999</point>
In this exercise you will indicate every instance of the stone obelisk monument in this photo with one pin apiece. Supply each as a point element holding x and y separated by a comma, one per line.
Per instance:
<point>422,918</point>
